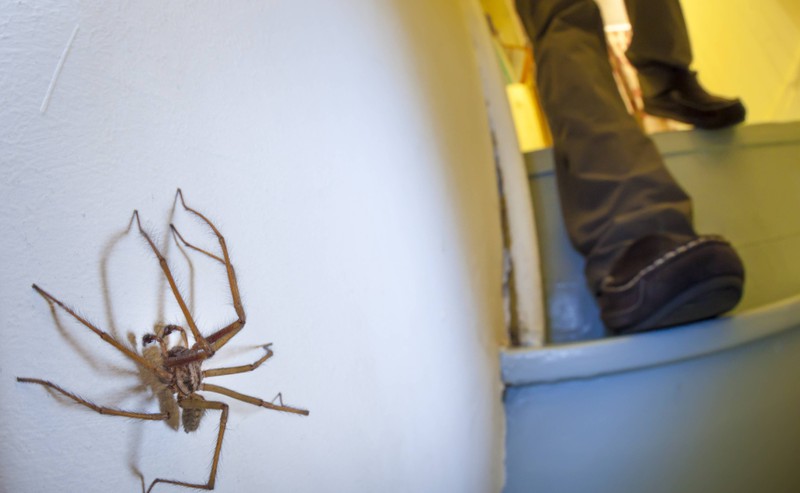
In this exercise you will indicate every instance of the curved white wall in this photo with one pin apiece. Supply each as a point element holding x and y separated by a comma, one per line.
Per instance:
<point>342,148</point>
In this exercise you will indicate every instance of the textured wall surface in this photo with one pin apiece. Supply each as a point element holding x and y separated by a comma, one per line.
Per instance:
<point>342,148</point>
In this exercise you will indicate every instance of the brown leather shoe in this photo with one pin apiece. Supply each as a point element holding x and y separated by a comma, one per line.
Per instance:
<point>658,282</point>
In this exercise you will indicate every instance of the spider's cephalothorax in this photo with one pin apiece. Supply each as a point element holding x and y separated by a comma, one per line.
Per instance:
<point>180,365</point>
<point>185,379</point>
<point>179,368</point>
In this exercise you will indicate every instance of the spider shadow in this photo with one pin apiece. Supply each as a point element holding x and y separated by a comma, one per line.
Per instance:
<point>149,387</point>
<point>95,362</point>
<point>74,339</point>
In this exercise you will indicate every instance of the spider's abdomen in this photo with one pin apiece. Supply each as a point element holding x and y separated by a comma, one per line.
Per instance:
<point>190,415</point>
<point>187,376</point>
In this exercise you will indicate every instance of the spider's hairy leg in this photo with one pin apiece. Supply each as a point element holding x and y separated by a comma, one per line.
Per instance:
<point>222,336</point>
<point>207,387</point>
<point>100,409</point>
<point>103,335</point>
<point>215,372</point>
<point>151,338</point>
<point>179,238</point>
<point>169,329</point>
<point>223,420</point>
<point>204,345</point>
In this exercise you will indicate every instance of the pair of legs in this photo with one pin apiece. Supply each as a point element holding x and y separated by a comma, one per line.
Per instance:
<point>614,187</point>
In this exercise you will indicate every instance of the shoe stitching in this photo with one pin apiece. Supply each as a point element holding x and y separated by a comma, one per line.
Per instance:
<point>608,280</point>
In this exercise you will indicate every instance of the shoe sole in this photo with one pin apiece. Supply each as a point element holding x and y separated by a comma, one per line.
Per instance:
<point>725,117</point>
<point>703,301</point>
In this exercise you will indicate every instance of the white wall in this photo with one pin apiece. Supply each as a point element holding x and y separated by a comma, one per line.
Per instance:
<point>342,148</point>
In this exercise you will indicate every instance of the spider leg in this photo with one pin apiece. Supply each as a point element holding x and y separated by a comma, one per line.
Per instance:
<point>223,420</point>
<point>204,345</point>
<point>100,409</point>
<point>214,372</point>
<point>150,338</point>
<point>251,400</point>
<point>169,329</point>
<point>179,236</point>
<point>174,361</point>
<point>221,337</point>
<point>103,335</point>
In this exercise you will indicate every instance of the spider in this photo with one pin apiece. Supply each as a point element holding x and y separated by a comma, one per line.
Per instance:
<point>179,368</point>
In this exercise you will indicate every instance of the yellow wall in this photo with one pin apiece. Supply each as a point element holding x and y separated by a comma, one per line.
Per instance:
<point>744,48</point>
<point>751,49</point>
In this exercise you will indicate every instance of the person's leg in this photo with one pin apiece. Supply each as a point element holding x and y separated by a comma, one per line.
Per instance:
<point>613,185</point>
<point>662,54</point>
<point>660,43</point>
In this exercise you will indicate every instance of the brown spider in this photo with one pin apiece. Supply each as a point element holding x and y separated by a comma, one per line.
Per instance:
<point>178,368</point>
